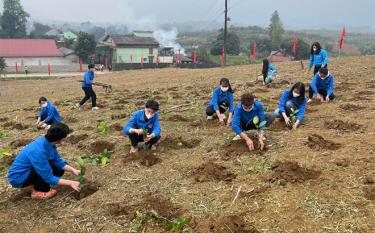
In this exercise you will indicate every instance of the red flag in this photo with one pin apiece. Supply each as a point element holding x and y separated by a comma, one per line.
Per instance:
<point>49,69</point>
<point>177,57</point>
<point>195,56</point>
<point>255,50</point>
<point>80,65</point>
<point>343,34</point>
<point>222,56</point>
<point>106,62</point>
<point>294,45</point>
<point>17,71</point>
<point>157,59</point>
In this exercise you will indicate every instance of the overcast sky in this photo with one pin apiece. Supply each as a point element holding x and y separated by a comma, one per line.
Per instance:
<point>294,13</point>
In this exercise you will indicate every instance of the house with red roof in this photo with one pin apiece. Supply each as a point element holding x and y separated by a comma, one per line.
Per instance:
<point>35,53</point>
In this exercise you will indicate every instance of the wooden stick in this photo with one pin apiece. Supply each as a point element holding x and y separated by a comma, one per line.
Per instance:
<point>238,193</point>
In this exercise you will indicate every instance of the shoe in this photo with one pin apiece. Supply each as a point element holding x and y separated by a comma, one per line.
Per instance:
<point>223,116</point>
<point>153,147</point>
<point>29,188</point>
<point>236,138</point>
<point>78,105</point>
<point>133,150</point>
<point>94,108</point>
<point>43,195</point>
<point>210,117</point>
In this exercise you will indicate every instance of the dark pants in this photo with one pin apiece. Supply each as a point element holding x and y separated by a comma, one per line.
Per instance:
<point>135,139</point>
<point>89,93</point>
<point>222,108</point>
<point>316,68</point>
<point>288,110</point>
<point>270,117</point>
<point>322,92</point>
<point>39,184</point>
<point>264,77</point>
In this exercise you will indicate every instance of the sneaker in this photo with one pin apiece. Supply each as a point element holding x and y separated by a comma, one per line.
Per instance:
<point>210,117</point>
<point>223,116</point>
<point>153,147</point>
<point>78,105</point>
<point>43,195</point>
<point>29,188</point>
<point>236,138</point>
<point>94,108</point>
<point>309,101</point>
<point>133,150</point>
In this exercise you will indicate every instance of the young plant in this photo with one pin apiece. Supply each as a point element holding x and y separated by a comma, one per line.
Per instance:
<point>293,116</point>
<point>81,165</point>
<point>103,128</point>
<point>3,134</point>
<point>258,124</point>
<point>137,222</point>
<point>104,157</point>
<point>178,224</point>
<point>5,152</point>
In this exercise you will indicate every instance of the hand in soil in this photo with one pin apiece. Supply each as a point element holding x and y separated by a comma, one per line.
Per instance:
<point>287,121</point>
<point>221,120</point>
<point>295,126</point>
<point>250,144</point>
<point>75,185</point>
<point>327,99</point>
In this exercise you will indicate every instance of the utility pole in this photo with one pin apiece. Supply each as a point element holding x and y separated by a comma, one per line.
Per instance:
<point>225,32</point>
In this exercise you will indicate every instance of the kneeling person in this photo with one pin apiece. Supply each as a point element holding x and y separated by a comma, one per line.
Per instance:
<point>146,120</point>
<point>48,114</point>
<point>39,166</point>
<point>243,119</point>
<point>322,86</point>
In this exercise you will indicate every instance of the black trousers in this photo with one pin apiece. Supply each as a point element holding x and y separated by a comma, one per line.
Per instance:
<point>210,109</point>
<point>135,139</point>
<point>39,184</point>
<point>316,68</point>
<point>89,93</point>
<point>270,117</point>
<point>322,92</point>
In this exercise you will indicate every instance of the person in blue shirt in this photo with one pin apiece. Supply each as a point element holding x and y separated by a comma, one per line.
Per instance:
<point>292,100</point>
<point>221,101</point>
<point>318,57</point>
<point>38,166</point>
<point>146,120</point>
<point>48,114</point>
<point>87,88</point>
<point>268,71</point>
<point>322,86</point>
<point>243,120</point>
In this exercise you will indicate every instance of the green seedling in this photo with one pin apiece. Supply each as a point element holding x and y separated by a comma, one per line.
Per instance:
<point>102,158</point>
<point>81,165</point>
<point>5,152</point>
<point>258,124</point>
<point>3,134</point>
<point>103,128</point>
<point>145,132</point>
<point>178,224</point>
<point>137,223</point>
<point>293,116</point>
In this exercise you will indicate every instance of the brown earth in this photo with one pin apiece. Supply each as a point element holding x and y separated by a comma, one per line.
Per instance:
<point>317,142</point>
<point>211,171</point>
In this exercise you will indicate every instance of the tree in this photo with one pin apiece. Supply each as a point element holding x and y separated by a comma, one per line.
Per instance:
<point>302,49</point>
<point>98,32</point>
<point>233,43</point>
<point>3,65</point>
<point>14,19</point>
<point>264,47</point>
<point>203,55</point>
<point>367,49</point>
<point>276,31</point>
<point>39,30</point>
<point>85,45</point>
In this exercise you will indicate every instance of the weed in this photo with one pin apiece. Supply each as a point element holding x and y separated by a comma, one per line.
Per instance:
<point>137,223</point>
<point>5,152</point>
<point>81,165</point>
<point>261,165</point>
<point>103,128</point>
<point>177,224</point>
<point>3,134</point>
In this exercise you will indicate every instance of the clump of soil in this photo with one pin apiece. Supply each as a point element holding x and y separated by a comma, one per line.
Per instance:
<point>368,180</point>
<point>369,193</point>
<point>117,127</point>
<point>277,126</point>
<point>70,119</point>
<point>7,160</point>
<point>317,142</point>
<point>176,143</point>
<point>118,116</point>
<point>291,172</point>
<point>122,101</point>
<point>227,224</point>
<point>76,138</point>
<point>366,92</point>
<point>239,147</point>
<point>342,162</point>
<point>178,118</point>
<point>211,171</point>
<point>161,205</point>
<point>3,119</point>
<point>98,147</point>
<point>19,143</point>
<point>14,125</point>
<point>87,189</point>
<point>117,107</point>
<point>351,107</point>
<point>260,90</point>
<point>145,158</point>
<point>341,125</point>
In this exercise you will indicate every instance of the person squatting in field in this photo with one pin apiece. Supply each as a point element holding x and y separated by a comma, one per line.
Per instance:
<point>221,102</point>
<point>47,115</point>
<point>292,105</point>
<point>318,57</point>
<point>87,88</point>
<point>322,86</point>
<point>244,119</point>
<point>144,126</point>
<point>39,166</point>
<point>269,72</point>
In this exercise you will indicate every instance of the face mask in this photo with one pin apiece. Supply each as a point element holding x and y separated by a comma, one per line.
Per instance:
<point>295,94</point>
<point>315,49</point>
<point>44,105</point>
<point>224,89</point>
<point>149,116</point>
<point>323,77</point>
<point>247,109</point>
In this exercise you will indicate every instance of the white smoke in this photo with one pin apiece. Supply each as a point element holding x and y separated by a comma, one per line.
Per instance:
<point>169,39</point>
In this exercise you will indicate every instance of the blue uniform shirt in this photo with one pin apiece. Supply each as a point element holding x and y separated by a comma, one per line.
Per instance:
<point>88,79</point>
<point>301,106</point>
<point>319,59</point>
<point>50,113</point>
<point>138,121</point>
<point>37,155</point>
<point>218,96</point>
<point>319,84</point>
<point>246,118</point>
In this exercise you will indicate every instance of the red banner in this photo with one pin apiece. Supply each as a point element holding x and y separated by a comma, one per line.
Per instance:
<point>294,50</point>
<point>222,56</point>
<point>106,62</point>
<point>17,71</point>
<point>80,65</point>
<point>255,50</point>
<point>195,56</point>
<point>49,69</point>
<point>177,57</point>
<point>343,34</point>
<point>157,59</point>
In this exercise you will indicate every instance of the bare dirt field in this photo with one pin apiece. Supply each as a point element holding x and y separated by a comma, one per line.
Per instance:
<point>320,178</point>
